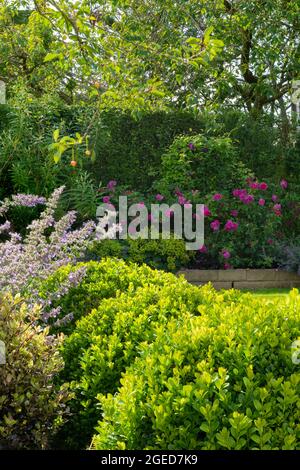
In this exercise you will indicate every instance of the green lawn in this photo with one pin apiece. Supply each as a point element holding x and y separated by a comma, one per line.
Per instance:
<point>269,293</point>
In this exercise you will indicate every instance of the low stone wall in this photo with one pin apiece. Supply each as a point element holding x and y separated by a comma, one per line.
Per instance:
<point>242,278</point>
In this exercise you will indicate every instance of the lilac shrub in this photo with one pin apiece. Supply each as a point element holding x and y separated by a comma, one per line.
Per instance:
<point>47,245</point>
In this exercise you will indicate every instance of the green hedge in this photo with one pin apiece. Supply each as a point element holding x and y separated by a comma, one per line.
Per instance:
<point>107,341</point>
<point>130,150</point>
<point>223,380</point>
<point>104,279</point>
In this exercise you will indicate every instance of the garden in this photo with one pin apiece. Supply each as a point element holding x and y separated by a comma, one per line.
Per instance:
<point>190,112</point>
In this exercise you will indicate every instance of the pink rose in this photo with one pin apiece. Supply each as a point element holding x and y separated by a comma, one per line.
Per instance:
<point>261,202</point>
<point>215,225</point>
<point>230,226</point>
<point>263,186</point>
<point>207,212</point>
<point>111,184</point>
<point>226,254</point>
<point>274,198</point>
<point>227,266</point>
<point>284,184</point>
<point>159,197</point>
<point>217,197</point>
<point>277,209</point>
<point>203,249</point>
<point>181,200</point>
<point>106,199</point>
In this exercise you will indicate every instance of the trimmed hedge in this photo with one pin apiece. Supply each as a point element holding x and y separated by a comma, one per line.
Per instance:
<point>102,280</point>
<point>107,341</point>
<point>223,380</point>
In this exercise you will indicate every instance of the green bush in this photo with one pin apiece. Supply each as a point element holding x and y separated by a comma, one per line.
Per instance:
<point>107,341</point>
<point>102,280</point>
<point>31,407</point>
<point>168,255</point>
<point>160,254</point>
<point>210,166</point>
<point>223,380</point>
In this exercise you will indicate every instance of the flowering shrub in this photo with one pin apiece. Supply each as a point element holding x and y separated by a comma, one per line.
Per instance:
<point>31,406</point>
<point>242,228</point>
<point>223,380</point>
<point>47,245</point>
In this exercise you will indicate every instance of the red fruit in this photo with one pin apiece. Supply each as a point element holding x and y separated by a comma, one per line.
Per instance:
<point>73,163</point>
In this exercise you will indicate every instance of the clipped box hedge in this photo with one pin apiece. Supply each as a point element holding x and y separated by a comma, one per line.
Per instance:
<point>222,380</point>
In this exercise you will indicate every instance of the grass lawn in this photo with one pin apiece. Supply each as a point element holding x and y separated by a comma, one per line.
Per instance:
<point>269,293</point>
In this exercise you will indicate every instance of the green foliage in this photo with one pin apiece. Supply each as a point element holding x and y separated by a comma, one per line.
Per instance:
<point>105,342</point>
<point>103,280</point>
<point>130,150</point>
<point>223,380</point>
<point>212,165</point>
<point>160,254</point>
<point>31,406</point>
<point>168,255</point>
<point>105,248</point>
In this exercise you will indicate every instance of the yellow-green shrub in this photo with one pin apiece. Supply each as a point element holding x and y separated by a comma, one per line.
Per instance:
<point>107,341</point>
<point>103,280</point>
<point>223,380</point>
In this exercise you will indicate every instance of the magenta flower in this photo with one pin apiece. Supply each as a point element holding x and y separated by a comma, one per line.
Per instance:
<point>284,184</point>
<point>215,225</point>
<point>231,226</point>
<point>182,200</point>
<point>226,254</point>
<point>240,193</point>
<point>270,241</point>
<point>277,209</point>
<point>177,192</point>
<point>203,249</point>
<point>191,146</point>
<point>207,212</point>
<point>217,196</point>
<point>261,202</point>
<point>263,186</point>
<point>237,192</point>
<point>248,199</point>
<point>227,266</point>
<point>234,213</point>
<point>111,184</point>
<point>159,197</point>
<point>254,185</point>
<point>274,198</point>
<point>106,199</point>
